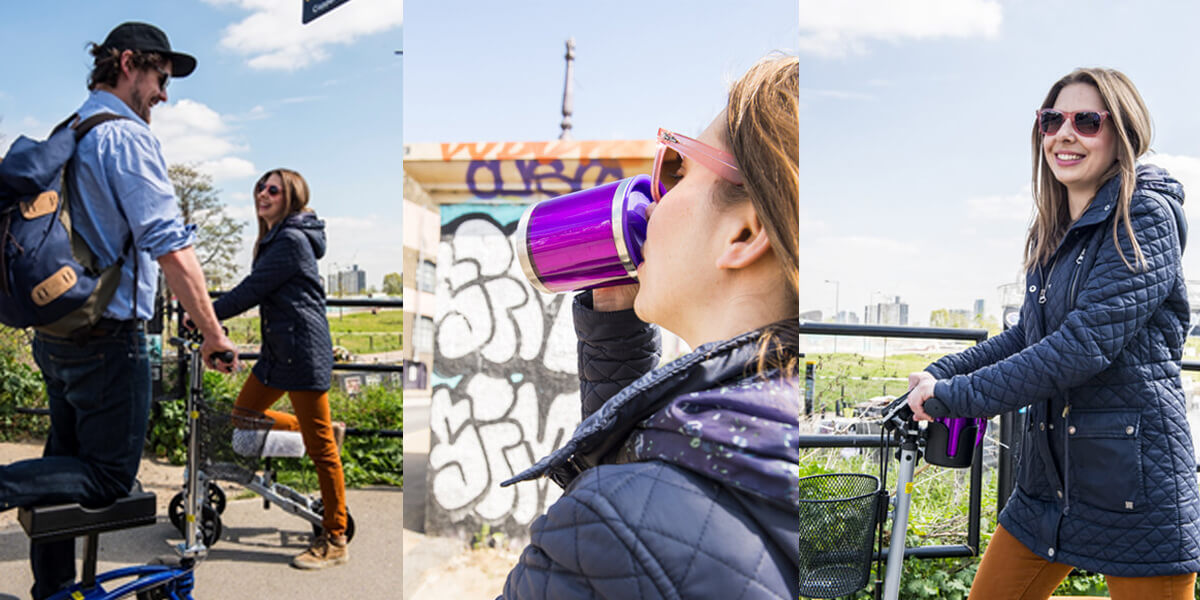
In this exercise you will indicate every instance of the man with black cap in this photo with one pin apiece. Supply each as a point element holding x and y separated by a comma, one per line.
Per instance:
<point>124,208</point>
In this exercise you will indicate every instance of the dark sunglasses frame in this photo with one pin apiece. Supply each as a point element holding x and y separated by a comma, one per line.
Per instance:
<point>164,78</point>
<point>1087,123</point>
<point>272,190</point>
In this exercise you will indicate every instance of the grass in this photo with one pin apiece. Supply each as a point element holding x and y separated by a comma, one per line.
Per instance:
<point>846,379</point>
<point>358,332</point>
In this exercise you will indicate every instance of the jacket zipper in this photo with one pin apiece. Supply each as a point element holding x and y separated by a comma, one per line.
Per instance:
<point>1075,277</point>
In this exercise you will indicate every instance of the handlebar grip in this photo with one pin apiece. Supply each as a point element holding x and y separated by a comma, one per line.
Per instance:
<point>936,408</point>
<point>225,357</point>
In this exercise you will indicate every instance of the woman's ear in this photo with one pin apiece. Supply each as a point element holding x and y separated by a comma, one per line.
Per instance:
<point>746,241</point>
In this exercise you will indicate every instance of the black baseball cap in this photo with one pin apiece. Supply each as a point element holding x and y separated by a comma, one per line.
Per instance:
<point>148,38</point>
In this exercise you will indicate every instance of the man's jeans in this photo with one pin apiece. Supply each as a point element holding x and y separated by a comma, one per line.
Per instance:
<point>99,396</point>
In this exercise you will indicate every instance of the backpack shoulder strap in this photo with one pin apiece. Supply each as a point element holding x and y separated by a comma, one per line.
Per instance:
<point>87,124</point>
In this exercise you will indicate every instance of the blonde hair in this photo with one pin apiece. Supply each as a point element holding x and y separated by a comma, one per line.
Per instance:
<point>763,133</point>
<point>295,198</point>
<point>1131,122</point>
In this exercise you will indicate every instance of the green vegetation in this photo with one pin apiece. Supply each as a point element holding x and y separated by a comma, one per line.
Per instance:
<point>366,460</point>
<point>848,379</point>
<point>20,386</point>
<point>940,498</point>
<point>358,332</point>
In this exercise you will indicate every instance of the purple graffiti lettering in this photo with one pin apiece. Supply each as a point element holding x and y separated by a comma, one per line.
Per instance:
<point>485,179</point>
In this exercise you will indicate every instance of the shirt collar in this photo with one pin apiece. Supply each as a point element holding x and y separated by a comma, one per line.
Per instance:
<point>103,101</point>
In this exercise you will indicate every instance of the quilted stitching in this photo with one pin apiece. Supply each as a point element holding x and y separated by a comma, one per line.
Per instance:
<point>1114,357</point>
<point>297,352</point>
<point>615,534</point>
<point>615,349</point>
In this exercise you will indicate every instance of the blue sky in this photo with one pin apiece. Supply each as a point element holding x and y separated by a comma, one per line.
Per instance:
<point>493,71</point>
<point>324,99</point>
<point>915,134</point>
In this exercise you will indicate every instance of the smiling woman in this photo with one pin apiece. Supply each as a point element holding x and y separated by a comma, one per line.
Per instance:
<point>1094,360</point>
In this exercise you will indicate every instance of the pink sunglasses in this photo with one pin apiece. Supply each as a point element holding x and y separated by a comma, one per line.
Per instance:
<point>673,146</point>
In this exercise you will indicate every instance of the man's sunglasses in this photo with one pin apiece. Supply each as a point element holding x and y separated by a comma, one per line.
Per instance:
<point>163,78</point>
<point>272,190</point>
<point>672,147</point>
<point>1085,122</point>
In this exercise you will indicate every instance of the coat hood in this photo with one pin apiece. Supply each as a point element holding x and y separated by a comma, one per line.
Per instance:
<point>308,225</point>
<point>1157,180</point>
<point>703,413</point>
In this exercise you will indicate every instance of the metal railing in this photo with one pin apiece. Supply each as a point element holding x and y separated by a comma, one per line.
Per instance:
<point>975,499</point>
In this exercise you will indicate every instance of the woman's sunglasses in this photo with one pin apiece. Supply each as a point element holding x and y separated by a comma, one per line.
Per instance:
<point>1085,122</point>
<point>672,147</point>
<point>272,190</point>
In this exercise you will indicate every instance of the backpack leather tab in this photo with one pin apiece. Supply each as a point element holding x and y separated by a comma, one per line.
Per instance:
<point>53,286</point>
<point>44,204</point>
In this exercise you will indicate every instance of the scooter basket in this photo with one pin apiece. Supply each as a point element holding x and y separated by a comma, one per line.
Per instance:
<point>231,440</point>
<point>839,514</point>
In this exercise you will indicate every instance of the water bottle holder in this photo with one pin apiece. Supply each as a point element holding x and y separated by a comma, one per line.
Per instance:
<point>937,446</point>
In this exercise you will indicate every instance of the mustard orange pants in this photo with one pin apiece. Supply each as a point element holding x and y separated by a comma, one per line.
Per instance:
<point>1010,571</point>
<point>313,422</point>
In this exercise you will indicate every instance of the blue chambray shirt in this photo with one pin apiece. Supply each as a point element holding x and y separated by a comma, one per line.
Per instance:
<point>120,161</point>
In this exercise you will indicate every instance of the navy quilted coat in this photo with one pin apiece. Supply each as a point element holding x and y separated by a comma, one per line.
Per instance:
<point>1107,476</point>
<point>663,499</point>
<point>297,353</point>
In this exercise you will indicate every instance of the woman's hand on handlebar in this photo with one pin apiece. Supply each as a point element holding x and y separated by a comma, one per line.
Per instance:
<point>920,389</point>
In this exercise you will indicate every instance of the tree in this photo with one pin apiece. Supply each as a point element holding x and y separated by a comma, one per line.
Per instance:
<point>218,235</point>
<point>393,284</point>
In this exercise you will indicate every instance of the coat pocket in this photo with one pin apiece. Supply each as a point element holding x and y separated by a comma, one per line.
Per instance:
<point>1106,459</point>
<point>278,341</point>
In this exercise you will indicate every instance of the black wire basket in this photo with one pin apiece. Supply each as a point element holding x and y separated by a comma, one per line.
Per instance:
<point>839,514</point>
<point>231,440</point>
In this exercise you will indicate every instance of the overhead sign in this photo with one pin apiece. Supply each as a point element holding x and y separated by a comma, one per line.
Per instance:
<point>316,8</point>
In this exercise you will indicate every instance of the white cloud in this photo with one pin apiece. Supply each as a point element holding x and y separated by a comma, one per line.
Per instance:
<point>193,133</point>
<point>272,37</point>
<point>836,29</point>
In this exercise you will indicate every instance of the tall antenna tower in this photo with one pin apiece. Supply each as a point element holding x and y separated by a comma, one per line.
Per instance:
<point>568,91</point>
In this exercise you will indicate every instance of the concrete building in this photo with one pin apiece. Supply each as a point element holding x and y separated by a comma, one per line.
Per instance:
<point>422,231</point>
<point>350,282</point>
<point>887,313</point>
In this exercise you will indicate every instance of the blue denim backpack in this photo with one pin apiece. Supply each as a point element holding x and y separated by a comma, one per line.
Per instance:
<point>48,276</point>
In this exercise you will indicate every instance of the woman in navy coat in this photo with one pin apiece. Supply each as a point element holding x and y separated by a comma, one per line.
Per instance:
<point>681,482</point>
<point>1107,476</point>
<point>297,353</point>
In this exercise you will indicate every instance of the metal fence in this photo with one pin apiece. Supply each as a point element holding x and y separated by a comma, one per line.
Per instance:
<point>971,548</point>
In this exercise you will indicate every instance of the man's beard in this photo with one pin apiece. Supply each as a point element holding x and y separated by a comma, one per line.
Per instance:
<point>141,106</point>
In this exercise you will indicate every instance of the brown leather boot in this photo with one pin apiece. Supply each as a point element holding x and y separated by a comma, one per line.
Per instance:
<point>325,551</point>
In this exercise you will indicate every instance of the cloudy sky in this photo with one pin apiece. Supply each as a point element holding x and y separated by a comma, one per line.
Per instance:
<point>915,126</point>
<point>322,98</point>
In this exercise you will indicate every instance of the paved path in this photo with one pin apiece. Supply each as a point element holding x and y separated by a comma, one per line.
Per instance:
<point>251,560</point>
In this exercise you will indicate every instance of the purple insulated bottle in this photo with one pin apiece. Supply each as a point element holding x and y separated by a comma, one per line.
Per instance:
<point>951,441</point>
<point>586,239</point>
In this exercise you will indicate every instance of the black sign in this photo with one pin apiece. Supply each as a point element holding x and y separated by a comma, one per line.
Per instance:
<point>316,8</point>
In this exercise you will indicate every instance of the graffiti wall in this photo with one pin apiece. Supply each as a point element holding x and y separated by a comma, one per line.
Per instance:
<point>505,391</point>
<point>504,387</point>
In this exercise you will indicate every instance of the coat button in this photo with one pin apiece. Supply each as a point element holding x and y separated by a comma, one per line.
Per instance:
<point>1033,288</point>
<point>1050,552</point>
<point>1129,430</point>
<point>1042,426</point>
<point>1071,430</point>
<point>1060,493</point>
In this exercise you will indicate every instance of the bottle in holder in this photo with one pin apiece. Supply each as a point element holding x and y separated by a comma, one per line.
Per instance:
<point>951,442</point>
<point>586,239</point>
